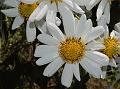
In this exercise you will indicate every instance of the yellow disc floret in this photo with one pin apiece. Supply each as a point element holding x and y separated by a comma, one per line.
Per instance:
<point>72,50</point>
<point>111,47</point>
<point>26,10</point>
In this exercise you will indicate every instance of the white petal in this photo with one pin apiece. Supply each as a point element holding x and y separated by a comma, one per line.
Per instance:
<point>44,28</point>
<point>68,20</point>
<point>80,2</point>
<point>101,8</point>
<point>112,63</point>
<point>13,12</point>
<point>96,32</point>
<point>117,35</point>
<point>12,3</point>
<point>72,5</point>
<point>47,39</point>
<point>91,67</point>
<point>86,2</point>
<point>107,12</point>
<point>106,32</point>
<point>81,25</point>
<point>46,59</point>
<point>41,25</point>
<point>30,31</point>
<point>95,46</point>
<point>76,71</point>
<point>102,21</point>
<point>42,13</point>
<point>87,29</point>
<point>43,50</point>
<point>36,11</point>
<point>117,27</point>
<point>92,3</point>
<point>17,22</point>
<point>29,1</point>
<point>67,75</point>
<point>55,31</point>
<point>53,67</point>
<point>51,13</point>
<point>112,34</point>
<point>98,58</point>
<point>58,21</point>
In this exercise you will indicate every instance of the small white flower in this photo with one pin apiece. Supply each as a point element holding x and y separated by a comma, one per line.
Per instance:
<point>72,48</point>
<point>49,8</point>
<point>21,12</point>
<point>111,44</point>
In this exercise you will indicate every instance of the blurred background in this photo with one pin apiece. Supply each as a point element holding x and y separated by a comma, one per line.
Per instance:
<point>17,63</point>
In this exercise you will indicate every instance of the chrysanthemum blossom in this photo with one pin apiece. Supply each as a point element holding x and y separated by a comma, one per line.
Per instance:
<point>111,47</point>
<point>49,8</point>
<point>22,11</point>
<point>72,48</point>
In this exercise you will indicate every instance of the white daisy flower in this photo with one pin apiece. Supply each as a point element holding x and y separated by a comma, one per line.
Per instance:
<point>71,49</point>
<point>111,42</point>
<point>49,8</point>
<point>21,12</point>
<point>111,46</point>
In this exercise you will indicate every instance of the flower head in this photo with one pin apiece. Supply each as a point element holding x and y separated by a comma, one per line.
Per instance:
<point>111,47</point>
<point>72,48</point>
<point>22,11</point>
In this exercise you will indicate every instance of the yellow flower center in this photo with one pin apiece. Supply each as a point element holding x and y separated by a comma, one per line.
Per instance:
<point>111,47</point>
<point>26,10</point>
<point>55,1</point>
<point>72,50</point>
